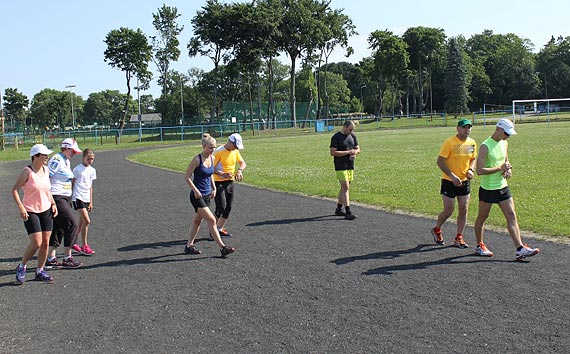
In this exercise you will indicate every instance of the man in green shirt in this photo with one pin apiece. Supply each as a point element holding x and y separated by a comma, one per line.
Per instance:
<point>494,168</point>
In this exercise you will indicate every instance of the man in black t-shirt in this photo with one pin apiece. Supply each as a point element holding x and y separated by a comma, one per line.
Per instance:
<point>344,148</point>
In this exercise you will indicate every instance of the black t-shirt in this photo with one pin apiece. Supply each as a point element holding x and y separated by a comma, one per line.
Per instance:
<point>342,142</point>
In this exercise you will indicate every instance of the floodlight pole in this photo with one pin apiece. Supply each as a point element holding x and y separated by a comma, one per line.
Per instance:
<point>72,110</point>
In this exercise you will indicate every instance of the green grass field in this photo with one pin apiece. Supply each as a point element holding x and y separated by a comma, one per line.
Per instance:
<point>396,170</point>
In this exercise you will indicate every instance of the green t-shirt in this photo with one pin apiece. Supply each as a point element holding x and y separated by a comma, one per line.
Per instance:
<point>495,157</point>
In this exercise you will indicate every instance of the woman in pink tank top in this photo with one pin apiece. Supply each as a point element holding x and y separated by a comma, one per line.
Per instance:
<point>37,210</point>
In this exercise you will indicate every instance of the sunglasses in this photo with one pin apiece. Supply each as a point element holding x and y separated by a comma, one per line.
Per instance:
<point>507,134</point>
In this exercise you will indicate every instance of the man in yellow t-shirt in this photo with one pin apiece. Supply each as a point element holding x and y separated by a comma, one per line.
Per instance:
<point>226,158</point>
<point>456,161</point>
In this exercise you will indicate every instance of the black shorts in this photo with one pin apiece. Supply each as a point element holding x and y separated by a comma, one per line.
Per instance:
<point>39,222</point>
<point>495,195</point>
<point>450,190</point>
<point>80,204</point>
<point>203,202</point>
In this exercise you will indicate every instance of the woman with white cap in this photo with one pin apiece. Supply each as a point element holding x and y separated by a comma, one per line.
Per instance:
<point>65,224</point>
<point>37,209</point>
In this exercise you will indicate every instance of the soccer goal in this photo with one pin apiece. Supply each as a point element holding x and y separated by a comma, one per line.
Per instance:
<point>541,109</point>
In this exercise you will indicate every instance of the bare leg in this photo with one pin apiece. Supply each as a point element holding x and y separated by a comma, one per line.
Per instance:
<point>448,205</point>
<point>35,243</point>
<point>84,222</point>
<point>463,207</point>
<point>508,208</point>
<point>343,197</point>
<point>484,209</point>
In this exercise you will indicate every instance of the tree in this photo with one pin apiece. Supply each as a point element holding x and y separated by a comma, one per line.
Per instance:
<point>212,39</point>
<point>455,80</point>
<point>425,46</point>
<point>302,29</point>
<point>390,60</point>
<point>15,105</point>
<point>128,50</point>
<point>339,29</point>
<point>509,63</point>
<point>165,45</point>
<point>51,109</point>
<point>553,66</point>
<point>104,108</point>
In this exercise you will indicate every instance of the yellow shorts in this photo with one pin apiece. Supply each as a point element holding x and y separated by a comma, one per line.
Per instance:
<point>345,175</point>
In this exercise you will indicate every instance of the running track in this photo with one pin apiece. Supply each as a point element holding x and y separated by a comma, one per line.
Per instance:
<point>301,280</point>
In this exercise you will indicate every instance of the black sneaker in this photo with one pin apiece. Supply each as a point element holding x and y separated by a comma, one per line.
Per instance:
<point>69,263</point>
<point>226,250</point>
<point>339,212</point>
<point>191,250</point>
<point>350,216</point>
<point>54,264</point>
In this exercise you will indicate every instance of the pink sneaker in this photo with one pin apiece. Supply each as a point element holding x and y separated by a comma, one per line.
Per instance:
<point>86,250</point>
<point>76,248</point>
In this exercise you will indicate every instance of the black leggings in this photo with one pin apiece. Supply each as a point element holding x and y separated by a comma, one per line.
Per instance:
<point>64,224</point>
<point>224,198</point>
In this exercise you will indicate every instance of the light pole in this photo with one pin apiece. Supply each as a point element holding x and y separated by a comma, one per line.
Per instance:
<point>139,110</point>
<point>361,101</point>
<point>181,101</point>
<point>72,111</point>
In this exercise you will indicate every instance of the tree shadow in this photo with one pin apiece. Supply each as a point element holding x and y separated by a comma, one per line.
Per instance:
<point>425,265</point>
<point>388,254</point>
<point>153,246</point>
<point>292,221</point>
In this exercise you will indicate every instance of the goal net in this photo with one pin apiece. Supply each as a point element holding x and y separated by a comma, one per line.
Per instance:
<point>541,109</point>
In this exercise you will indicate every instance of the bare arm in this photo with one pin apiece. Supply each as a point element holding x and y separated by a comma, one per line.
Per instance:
<point>189,172</point>
<point>353,152</point>
<point>22,178</point>
<point>482,159</point>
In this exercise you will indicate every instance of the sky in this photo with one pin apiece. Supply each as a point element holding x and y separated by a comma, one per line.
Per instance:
<point>58,43</point>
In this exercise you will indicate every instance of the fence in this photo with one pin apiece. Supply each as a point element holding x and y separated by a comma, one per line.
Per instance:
<point>101,137</point>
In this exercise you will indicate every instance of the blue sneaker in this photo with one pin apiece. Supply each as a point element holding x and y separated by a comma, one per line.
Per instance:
<point>43,276</point>
<point>20,274</point>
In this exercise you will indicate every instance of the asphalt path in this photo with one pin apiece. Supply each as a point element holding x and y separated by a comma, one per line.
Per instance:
<point>301,281</point>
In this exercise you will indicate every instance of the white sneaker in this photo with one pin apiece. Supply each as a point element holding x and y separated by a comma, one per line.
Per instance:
<point>526,251</point>
<point>482,250</point>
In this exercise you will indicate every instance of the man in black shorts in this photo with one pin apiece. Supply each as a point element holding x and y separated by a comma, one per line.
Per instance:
<point>456,160</point>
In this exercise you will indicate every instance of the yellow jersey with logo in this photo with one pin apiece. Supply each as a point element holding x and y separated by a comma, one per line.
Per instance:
<point>458,156</point>
<point>225,161</point>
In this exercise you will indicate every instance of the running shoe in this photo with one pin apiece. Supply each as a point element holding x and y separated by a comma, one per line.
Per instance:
<point>526,251</point>
<point>76,248</point>
<point>226,250</point>
<point>43,276</point>
<point>224,233</point>
<point>69,263</point>
<point>459,242</point>
<point>87,251</point>
<point>349,216</point>
<point>53,264</point>
<point>191,250</point>
<point>437,237</point>
<point>339,212</point>
<point>20,274</point>
<point>482,250</point>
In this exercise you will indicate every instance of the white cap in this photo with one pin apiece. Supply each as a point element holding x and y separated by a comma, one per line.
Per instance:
<point>237,140</point>
<point>507,126</point>
<point>70,143</point>
<point>40,149</point>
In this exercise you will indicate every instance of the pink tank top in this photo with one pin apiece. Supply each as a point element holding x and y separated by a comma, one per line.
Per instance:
<point>37,195</point>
